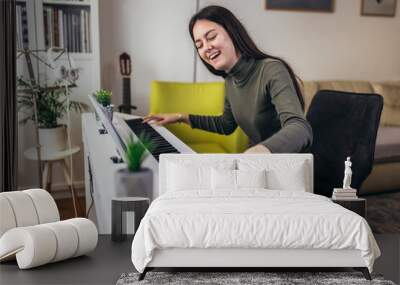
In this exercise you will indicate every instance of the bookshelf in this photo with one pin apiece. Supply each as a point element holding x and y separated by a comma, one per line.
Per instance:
<point>37,32</point>
<point>22,25</point>
<point>69,24</point>
<point>68,3</point>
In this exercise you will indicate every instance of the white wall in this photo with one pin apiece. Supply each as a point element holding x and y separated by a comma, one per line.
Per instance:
<point>339,45</point>
<point>154,33</point>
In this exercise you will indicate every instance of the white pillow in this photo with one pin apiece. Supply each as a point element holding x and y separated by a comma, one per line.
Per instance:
<point>223,179</point>
<point>292,180</point>
<point>192,176</point>
<point>251,178</point>
<point>281,174</point>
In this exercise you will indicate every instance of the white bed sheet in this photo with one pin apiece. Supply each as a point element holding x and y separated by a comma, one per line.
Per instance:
<point>252,218</point>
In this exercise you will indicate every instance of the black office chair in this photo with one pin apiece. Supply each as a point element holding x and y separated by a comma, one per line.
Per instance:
<point>344,124</point>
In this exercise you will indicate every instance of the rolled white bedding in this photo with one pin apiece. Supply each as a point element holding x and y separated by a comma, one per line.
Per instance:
<point>40,244</point>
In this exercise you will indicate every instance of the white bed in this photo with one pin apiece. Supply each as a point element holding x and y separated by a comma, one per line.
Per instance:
<point>215,211</point>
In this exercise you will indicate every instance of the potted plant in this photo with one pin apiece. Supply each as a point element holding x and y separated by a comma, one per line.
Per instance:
<point>52,104</point>
<point>103,97</point>
<point>135,180</point>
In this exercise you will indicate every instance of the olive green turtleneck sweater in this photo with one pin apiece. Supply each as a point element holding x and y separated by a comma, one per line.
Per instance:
<point>262,100</point>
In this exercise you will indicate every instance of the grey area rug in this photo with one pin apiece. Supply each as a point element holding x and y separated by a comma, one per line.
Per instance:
<point>383,212</point>
<point>243,278</point>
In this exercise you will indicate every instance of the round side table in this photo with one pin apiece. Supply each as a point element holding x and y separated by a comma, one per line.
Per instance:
<point>53,157</point>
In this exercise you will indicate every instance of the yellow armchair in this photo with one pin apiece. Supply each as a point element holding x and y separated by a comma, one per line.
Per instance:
<point>199,99</point>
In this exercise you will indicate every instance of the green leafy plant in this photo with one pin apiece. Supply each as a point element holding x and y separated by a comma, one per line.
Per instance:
<point>103,97</point>
<point>51,102</point>
<point>136,151</point>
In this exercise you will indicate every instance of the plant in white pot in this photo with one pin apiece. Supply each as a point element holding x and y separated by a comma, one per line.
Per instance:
<point>104,98</point>
<point>52,104</point>
<point>135,180</point>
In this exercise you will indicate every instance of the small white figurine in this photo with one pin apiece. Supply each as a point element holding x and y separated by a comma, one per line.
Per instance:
<point>347,174</point>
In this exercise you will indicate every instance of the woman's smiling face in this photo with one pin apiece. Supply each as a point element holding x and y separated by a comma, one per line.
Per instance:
<point>214,45</point>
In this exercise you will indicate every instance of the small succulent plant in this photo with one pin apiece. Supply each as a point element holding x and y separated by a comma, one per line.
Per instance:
<point>136,151</point>
<point>103,97</point>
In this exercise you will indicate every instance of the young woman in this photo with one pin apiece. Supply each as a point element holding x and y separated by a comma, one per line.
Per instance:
<point>263,96</point>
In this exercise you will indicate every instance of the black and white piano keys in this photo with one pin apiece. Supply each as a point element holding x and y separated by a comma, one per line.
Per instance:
<point>100,169</point>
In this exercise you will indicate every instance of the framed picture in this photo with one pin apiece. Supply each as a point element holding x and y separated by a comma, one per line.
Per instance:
<point>385,8</point>
<point>300,5</point>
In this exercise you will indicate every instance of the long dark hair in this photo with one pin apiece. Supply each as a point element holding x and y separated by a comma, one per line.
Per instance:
<point>240,38</point>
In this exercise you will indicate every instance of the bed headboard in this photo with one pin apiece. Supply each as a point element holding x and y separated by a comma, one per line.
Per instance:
<point>297,166</point>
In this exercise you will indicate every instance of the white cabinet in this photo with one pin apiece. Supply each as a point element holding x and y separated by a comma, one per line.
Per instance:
<point>99,172</point>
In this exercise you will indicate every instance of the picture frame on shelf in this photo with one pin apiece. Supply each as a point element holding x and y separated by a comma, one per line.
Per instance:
<point>382,8</point>
<point>301,5</point>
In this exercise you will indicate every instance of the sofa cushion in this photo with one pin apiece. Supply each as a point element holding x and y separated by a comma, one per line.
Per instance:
<point>388,144</point>
<point>392,82</point>
<point>207,148</point>
<point>384,177</point>
<point>391,102</point>
<point>390,93</point>
<point>390,116</point>
<point>346,86</point>
<point>201,98</point>
<point>310,88</point>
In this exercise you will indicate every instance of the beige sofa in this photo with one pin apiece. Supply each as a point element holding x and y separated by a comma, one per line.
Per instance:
<point>385,175</point>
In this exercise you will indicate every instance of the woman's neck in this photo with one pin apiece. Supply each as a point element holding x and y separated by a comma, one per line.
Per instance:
<point>234,62</point>
<point>242,70</point>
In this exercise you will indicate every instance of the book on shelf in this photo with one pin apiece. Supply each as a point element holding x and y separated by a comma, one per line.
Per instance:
<point>341,190</point>
<point>73,33</point>
<point>55,1</point>
<point>67,27</point>
<point>82,31</point>
<point>22,39</point>
<point>61,27</point>
<point>18,26</point>
<point>334,197</point>
<point>345,194</point>
<point>56,29</point>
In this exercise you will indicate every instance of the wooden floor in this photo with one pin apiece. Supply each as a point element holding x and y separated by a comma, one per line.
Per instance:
<point>66,209</point>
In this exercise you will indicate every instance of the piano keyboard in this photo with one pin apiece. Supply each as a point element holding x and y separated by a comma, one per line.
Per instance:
<point>164,141</point>
<point>161,145</point>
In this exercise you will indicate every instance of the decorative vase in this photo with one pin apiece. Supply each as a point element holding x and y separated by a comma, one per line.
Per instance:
<point>53,139</point>
<point>109,111</point>
<point>134,184</point>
